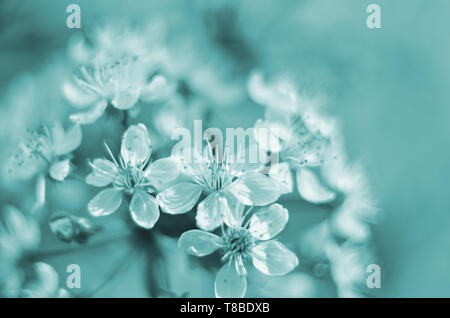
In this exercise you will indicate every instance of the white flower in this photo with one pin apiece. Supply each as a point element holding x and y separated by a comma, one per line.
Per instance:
<point>301,146</point>
<point>132,175</point>
<point>220,179</point>
<point>300,137</point>
<point>48,149</point>
<point>349,262</point>
<point>242,242</point>
<point>119,82</point>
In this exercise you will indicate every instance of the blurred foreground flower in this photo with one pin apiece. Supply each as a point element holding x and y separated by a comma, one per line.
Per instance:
<point>20,275</point>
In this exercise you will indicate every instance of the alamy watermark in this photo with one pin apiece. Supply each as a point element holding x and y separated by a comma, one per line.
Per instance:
<point>73,20</point>
<point>238,146</point>
<point>374,19</point>
<point>74,278</point>
<point>374,279</point>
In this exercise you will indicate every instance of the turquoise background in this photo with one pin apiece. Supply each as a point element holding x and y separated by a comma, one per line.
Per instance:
<point>389,87</point>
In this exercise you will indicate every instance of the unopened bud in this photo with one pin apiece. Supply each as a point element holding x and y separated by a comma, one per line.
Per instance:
<point>70,228</point>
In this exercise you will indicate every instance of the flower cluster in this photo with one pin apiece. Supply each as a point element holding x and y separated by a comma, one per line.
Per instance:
<point>127,100</point>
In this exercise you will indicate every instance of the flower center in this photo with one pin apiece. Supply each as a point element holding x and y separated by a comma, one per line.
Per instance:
<point>304,145</point>
<point>218,176</point>
<point>38,144</point>
<point>215,173</point>
<point>107,76</point>
<point>239,242</point>
<point>130,178</point>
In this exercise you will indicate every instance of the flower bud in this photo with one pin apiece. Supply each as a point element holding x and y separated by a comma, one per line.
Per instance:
<point>70,228</point>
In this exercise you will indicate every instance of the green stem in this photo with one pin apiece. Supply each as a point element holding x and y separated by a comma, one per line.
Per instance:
<point>125,119</point>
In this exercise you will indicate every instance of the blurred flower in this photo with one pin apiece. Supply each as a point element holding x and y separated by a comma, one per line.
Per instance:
<point>349,262</point>
<point>131,175</point>
<point>42,282</point>
<point>220,178</point>
<point>70,228</point>
<point>301,147</point>
<point>48,150</point>
<point>120,83</point>
<point>117,41</point>
<point>119,68</point>
<point>279,94</point>
<point>20,276</point>
<point>312,243</point>
<point>344,258</point>
<point>297,133</point>
<point>241,242</point>
<point>352,220</point>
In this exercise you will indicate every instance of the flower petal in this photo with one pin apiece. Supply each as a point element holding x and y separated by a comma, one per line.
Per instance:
<point>45,282</point>
<point>135,148</point>
<point>179,198</point>
<point>268,221</point>
<point>211,211</point>
<point>24,230</point>
<point>162,171</point>
<point>273,258</point>
<point>348,226</point>
<point>91,115</point>
<point>64,143</point>
<point>156,90</point>
<point>103,173</point>
<point>60,169</point>
<point>229,283</point>
<point>144,209</point>
<point>105,202</point>
<point>199,243</point>
<point>279,94</point>
<point>236,212</point>
<point>254,188</point>
<point>126,98</point>
<point>76,96</point>
<point>40,193</point>
<point>311,189</point>
<point>281,173</point>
